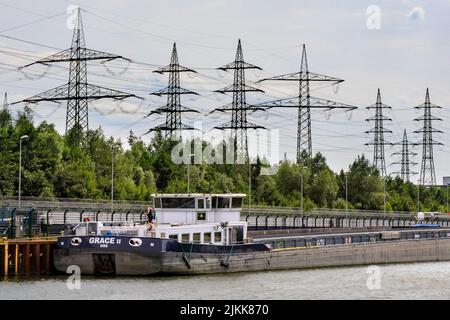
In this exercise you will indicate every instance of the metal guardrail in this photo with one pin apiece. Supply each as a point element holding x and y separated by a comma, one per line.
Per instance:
<point>328,212</point>
<point>125,205</point>
<point>73,200</point>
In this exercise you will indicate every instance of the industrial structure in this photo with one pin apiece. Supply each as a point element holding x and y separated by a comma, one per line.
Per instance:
<point>304,103</point>
<point>405,162</point>
<point>77,92</point>
<point>238,106</point>
<point>378,131</point>
<point>427,170</point>
<point>173,109</point>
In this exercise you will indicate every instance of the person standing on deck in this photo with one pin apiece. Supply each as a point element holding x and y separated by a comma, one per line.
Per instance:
<point>151,217</point>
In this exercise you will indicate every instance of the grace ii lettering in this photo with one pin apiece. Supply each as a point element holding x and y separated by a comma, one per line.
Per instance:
<point>105,240</point>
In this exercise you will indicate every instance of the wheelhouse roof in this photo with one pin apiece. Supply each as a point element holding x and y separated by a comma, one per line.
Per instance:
<point>197,195</point>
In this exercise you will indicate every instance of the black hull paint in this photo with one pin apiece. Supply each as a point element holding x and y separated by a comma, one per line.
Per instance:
<point>116,255</point>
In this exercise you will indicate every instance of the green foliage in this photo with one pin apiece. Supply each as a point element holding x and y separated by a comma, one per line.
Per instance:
<point>80,166</point>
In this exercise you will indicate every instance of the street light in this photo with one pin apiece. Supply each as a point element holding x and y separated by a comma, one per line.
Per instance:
<point>447,197</point>
<point>346,193</point>
<point>112,179</point>
<point>384,196</point>
<point>249,184</point>
<point>301,188</point>
<point>188,171</point>
<point>20,164</point>
<point>418,195</point>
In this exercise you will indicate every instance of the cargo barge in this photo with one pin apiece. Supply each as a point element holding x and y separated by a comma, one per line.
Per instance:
<point>203,234</point>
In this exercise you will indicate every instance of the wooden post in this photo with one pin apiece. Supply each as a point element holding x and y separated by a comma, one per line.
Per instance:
<point>16,260</point>
<point>27,258</point>
<point>37,258</point>
<point>47,258</point>
<point>5,260</point>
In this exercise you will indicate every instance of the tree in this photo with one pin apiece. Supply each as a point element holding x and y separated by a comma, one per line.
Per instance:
<point>365,186</point>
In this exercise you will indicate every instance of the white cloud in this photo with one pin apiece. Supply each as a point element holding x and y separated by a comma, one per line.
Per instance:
<point>417,13</point>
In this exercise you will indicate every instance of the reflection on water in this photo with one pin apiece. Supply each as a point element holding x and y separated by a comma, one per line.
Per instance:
<point>401,281</point>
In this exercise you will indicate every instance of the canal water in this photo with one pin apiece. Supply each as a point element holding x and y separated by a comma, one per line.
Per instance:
<point>400,281</point>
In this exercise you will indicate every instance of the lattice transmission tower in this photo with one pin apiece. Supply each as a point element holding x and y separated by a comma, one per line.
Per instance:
<point>405,163</point>
<point>304,102</point>
<point>238,106</point>
<point>77,92</point>
<point>173,109</point>
<point>427,170</point>
<point>378,143</point>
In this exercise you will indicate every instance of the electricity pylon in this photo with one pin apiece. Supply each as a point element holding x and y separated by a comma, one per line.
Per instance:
<point>379,142</point>
<point>77,92</point>
<point>405,163</point>
<point>427,170</point>
<point>304,103</point>
<point>173,109</point>
<point>239,106</point>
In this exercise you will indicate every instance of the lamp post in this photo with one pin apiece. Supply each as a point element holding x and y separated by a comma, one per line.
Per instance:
<point>418,195</point>
<point>20,164</point>
<point>447,197</point>
<point>384,196</point>
<point>112,178</point>
<point>188,171</point>
<point>249,185</point>
<point>346,193</point>
<point>301,188</point>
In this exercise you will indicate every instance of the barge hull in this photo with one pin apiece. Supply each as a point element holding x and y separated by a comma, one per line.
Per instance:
<point>156,256</point>
<point>315,257</point>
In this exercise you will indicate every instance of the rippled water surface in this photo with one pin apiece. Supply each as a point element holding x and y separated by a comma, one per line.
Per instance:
<point>401,281</point>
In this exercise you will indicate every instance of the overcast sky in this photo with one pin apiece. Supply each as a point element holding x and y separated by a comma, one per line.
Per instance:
<point>402,53</point>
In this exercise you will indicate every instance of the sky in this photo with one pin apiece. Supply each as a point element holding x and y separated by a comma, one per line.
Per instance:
<point>401,47</point>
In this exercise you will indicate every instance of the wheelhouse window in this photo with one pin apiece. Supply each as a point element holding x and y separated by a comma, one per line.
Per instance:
<point>207,237</point>
<point>185,237</point>
<point>208,203</point>
<point>178,203</point>
<point>173,236</point>
<point>201,203</point>
<point>196,237</point>
<point>236,202</point>
<point>158,203</point>
<point>223,202</point>
<point>217,236</point>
